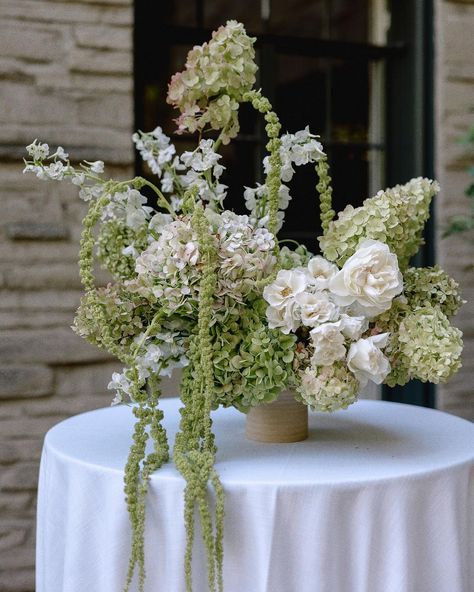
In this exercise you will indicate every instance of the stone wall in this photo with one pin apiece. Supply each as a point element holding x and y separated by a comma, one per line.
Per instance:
<point>65,77</point>
<point>454,43</point>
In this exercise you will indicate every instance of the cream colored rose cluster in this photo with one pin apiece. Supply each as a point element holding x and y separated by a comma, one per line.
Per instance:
<point>330,310</point>
<point>217,75</point>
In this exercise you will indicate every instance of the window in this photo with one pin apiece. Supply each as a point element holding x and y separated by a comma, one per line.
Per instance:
<point>323,63</point>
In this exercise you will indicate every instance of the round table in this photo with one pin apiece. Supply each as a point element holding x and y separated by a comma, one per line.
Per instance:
<point>380,498</point>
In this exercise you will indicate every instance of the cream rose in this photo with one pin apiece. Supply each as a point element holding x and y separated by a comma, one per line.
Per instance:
<point>367,361</point>
<point>328,342</point>
<point>287,285</point>
<point>316,308</point>
<point>286,319</point>
<point>370,278</point>
<point>320,271</point>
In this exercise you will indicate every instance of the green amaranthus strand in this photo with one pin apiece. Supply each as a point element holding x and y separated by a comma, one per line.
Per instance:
<point>273,128</point>
<point>195,450</point>
<point>324,189</point>
<point>139,467</point>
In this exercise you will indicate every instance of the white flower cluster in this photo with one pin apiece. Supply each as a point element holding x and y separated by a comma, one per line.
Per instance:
<point>155,149</point>
<point>296,149</point>
<point>59,168</point>
<point>334,306</point>
<point>128,205</point>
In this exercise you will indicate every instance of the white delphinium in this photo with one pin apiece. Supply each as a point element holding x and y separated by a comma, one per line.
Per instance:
<point>296,149</point>
<point>129,206</point>
<point>155,149</point>
<point>121,385</point>
<point>38,150</point>
<point>367,361</point>
<point>204,172</point>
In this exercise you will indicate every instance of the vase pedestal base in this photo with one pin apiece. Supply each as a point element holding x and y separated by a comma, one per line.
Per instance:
<point>282,420</point>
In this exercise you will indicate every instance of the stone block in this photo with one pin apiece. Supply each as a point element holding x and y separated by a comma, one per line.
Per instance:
<point>17,580</point>
<point>12,535</point>
<point>101,61</point>
<point>32,251</point>
<point>37,231</point>
<point>22,557</point>
<point>16,504</point>
<point>92,82</point>
<point>21,207</point>
<point>49,346</point>
<point>21,449</point>
<point>78,381</point>
<point>34,427</point>
<point>21,104</point>
<point>115,111</point>
<point>40,276</point>
<point>37,44</point>
<point>26,319</point>
<point>25,381</point>
<point>20,477</point>
<point>44,300</point>
<point>104,37</point>
<point>37,11</point>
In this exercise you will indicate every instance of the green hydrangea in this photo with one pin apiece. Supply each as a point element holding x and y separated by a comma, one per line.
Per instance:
<point>425,346</point>
<point>289,259</point>
<point>114,236</point>
<point>431,286</point>
<point>395,216</point>
<point>124,316</point>
<point>328,388</point>
<point>252,363</point>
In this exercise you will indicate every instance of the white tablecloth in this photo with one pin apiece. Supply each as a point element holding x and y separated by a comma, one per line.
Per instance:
<point>378,499</point>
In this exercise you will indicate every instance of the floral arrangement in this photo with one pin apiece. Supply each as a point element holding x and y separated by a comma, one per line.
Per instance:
<point>201,288</point>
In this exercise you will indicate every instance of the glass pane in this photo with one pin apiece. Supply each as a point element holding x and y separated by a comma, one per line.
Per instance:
<point>217,12</point>
<point>299,18</point>
<point>349,20</point>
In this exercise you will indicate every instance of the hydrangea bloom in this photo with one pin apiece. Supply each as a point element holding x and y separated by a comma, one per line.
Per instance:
<point>217,75</point>
<point>395,216</point>
<point>431,286</point>
<point>328,388</point>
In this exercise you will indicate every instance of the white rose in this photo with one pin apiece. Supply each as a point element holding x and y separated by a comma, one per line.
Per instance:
<point>371,278</point>
<point>353,327</point>
<point>320,271</point>
<point>328,342</point>
<point>366,360</point>
<point>316,308</point>
<point>287,285</point>
<point>286,319</point>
